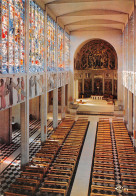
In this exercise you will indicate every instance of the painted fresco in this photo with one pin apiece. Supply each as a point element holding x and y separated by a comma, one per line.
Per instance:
<point>108,87</point>
<point>87,87</point>
<point>80,88</point>
<point>12,91</point>
<point>115,87</point>
<point>98,86</point>
<point>61,79</point>
<point>51,81</point>
<point>36,85</point>
<point>96,54</point>
<point>67,77</point>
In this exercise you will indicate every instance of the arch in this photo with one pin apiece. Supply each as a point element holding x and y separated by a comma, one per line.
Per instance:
<point>96,39</point>
<point>95,64</point>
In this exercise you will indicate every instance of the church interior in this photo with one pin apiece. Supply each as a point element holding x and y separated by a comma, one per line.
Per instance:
<point>67,97</point>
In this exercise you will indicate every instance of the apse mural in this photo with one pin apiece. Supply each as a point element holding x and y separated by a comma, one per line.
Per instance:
<point>96,54</point>
<point>108,87</point>
<point>87,87</point>
<point>98,86</point>
<point>96,65</point>
<point>12,91</point>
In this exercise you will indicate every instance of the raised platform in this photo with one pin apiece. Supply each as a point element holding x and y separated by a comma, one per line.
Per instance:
<point>95,106</point>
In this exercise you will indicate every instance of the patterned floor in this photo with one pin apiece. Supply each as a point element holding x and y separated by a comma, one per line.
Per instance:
<point>7,150</point>
<point>13,170</point>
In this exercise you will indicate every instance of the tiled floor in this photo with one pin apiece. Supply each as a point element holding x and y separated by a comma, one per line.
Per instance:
<point>9,175</point>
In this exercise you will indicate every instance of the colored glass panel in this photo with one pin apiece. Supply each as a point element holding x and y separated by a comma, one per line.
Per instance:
<point>50,44</point>
<point>67,50</point>
<point>36,37</point>
<point>60,49</point>
<point>12,24</point>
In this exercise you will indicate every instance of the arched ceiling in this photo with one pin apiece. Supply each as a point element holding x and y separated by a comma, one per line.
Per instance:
<point>80,15</point>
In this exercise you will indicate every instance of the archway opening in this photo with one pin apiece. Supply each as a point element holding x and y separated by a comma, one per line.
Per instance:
<point>95,68</point>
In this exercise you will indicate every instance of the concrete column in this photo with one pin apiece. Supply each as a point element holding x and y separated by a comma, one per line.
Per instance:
<point>55,108</point>
<point>126,105</point>
<point>24,107</point>
<point>62,102</point>
<point>130,117</point>
<point>24,119</point>
<point>134,130</point>
<point>43,117</point>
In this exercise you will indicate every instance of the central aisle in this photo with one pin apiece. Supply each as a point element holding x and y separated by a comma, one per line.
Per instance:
<point>82,177</point>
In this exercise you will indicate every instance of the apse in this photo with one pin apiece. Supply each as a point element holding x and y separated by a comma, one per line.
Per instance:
<point>95,70</point>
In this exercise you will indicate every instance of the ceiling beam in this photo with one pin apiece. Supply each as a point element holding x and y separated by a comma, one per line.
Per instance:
<point>83,1</point>
<point>95,21</point>
<point>93,12</point>
<point>96,28</point>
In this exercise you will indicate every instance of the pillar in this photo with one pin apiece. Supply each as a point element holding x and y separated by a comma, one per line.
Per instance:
<point>62,102</point>
<point>24,119</point>
<point>134,130</point>
<point>55,108</point>
<point>24,107</point>
<point>126,104</point>
<point>43,117</point>
<point>130,117</point>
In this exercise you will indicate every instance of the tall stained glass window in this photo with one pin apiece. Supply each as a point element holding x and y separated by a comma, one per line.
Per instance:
<point>60,49</point>
<point>12,36</point>
<point>50,43</point>
<point>36,38</point>
<point>67,50</point>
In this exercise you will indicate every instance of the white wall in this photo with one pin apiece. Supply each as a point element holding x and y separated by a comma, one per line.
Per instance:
<point>78,39</point>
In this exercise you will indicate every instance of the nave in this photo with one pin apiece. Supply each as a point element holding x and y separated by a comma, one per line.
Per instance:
<point>85,182</point>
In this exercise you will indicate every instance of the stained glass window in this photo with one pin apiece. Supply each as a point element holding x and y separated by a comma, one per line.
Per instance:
<point>12,36</point>
<point>67,50</point>
<point>50,44</point>
<point>36,38</point>
<point>60,49</point>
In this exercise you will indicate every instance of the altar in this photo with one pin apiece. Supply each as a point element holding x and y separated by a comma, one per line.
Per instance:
<point>96,97</point>
<point>95,106</point>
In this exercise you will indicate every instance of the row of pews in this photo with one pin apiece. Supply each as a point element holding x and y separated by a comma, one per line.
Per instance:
<point>126,158</point>
<point>114,165</point>
<point>34,173</point>
<point>103,177</point>
<point>54,164</point>
<point>60,175</point>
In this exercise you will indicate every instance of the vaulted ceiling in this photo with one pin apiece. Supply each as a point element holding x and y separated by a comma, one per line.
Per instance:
<point>79,15</point>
